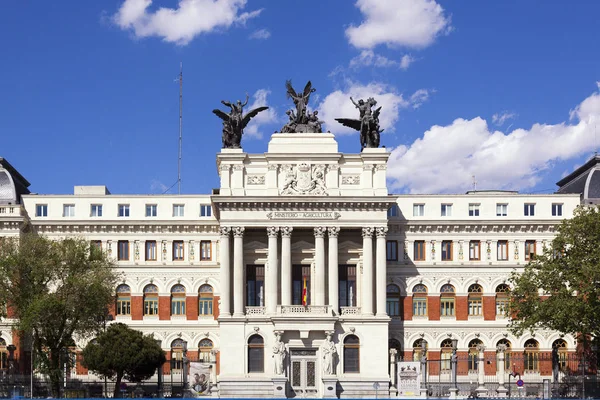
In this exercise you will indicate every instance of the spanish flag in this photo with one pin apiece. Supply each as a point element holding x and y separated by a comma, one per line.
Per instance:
<point>304,294</point>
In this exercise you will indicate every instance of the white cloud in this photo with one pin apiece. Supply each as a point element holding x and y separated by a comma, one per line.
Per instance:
<point>500,118</point>
<point>406,60</point>
<point>260,34</point>
<point>420,96</point>
<point>338,105</point>
<point>157,186</point>
<point>408,23</point>
<point>180,25</point>
<point>446,157</point>
<point>263,118</point>
<point>368,58</point>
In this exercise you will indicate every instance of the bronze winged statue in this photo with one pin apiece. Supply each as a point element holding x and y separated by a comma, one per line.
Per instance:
<point>301,120</point>
<point>367,125</point>
<point>235,122</point>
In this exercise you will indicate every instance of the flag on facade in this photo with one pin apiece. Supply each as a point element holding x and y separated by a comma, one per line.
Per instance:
<point>304,297</point>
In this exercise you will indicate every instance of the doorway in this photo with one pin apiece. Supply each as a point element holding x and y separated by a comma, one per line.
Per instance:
<point>303,373</point>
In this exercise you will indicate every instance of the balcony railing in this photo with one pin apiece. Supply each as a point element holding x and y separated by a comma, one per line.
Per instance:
<point>255,310</point>
<point>350,310</point>
<point>297,309</point>
<point>10,210</point>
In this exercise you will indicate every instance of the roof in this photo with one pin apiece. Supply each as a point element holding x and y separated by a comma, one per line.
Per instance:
<point>13,172</point>
<point>579,171</point>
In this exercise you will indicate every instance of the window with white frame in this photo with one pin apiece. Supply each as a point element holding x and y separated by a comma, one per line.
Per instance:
<point>123,210</point>
<point>177,250</point>
<point>502,250</point>
<point>205,250</point>
<point>474,250</point>
<point>473,210</point>
<point>96,210</point>
<point>529,210</point>
<point>446,210</point>
<point>418,210</point>
<point>501,210</point>
<point>151,210</point>
<point>178,210</point>
<point>68,210</point>
<point>41,210</point>
<point>557,209</point>
<point>205,210</point>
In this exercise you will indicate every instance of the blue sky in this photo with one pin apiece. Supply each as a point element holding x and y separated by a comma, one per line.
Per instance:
<point>506,91</point>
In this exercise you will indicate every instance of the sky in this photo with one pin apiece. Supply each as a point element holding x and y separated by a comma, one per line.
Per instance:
<point>501,93</point>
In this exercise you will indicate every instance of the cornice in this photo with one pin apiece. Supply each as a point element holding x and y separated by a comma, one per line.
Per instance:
<point>294,203</point>
<point>465,226</point>
<point>132,227</point>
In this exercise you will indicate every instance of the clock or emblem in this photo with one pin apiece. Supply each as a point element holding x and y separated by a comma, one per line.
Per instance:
<point>304,179</point>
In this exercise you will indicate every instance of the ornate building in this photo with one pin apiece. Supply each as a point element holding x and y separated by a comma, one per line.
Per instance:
<point>300,275</point>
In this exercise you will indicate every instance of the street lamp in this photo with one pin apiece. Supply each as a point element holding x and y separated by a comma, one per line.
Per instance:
<point>159,371</point>
<point>185,364</point>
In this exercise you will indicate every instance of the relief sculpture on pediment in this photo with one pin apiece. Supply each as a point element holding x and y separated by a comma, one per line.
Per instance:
<point>304,179</point>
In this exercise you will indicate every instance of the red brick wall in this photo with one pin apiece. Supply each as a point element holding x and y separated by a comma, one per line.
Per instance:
<point>112,308</point>
<point>218,366</point>
<point>10,311</point>
<point>164,307</point>
<point>545,361</point>
<point>167,364</point>
<point>407,308</point>
<point>490,368</point>
<point>489,308</point>
<point>462,308</point>
<point>433,308</point>
<point>462,368</point>
<point>191,307</point>
<point>434,366</point>
<point>216,309</point>
<point>79,368</point>
<point>137,307</point>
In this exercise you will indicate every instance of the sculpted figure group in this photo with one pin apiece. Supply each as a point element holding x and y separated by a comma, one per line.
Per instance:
<point>300,119</point>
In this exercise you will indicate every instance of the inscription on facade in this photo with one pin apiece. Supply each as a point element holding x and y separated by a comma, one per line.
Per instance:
<point>304,215</point>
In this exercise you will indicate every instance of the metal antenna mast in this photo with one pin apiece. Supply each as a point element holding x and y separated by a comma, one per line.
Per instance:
<point>180,126</point>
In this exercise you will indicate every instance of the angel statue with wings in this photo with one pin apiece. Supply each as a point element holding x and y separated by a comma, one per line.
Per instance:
<point>301,120</point>
<point>367,124</point>
<point>235,122</point>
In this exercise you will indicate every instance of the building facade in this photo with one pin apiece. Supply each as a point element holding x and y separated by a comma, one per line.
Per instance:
<point>301,276</point>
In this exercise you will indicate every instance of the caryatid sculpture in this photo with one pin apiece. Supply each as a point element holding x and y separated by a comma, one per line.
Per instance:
<point>235,121</point>
<point>278,354</point>
<point>301,120</point>
<point>329,351</point>
<point>367,124</point>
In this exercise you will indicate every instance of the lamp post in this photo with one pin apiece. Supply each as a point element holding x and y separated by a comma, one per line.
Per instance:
<point>185,365</point>
<point>159,372</point>
<point>453,363</point>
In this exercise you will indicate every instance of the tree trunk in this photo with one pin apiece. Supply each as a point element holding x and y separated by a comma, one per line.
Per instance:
<point>117,391</point>
<point>55,372</point>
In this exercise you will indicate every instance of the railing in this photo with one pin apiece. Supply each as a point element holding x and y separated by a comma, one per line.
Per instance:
<point>350,310</point>
<point>255,310</point>
<point>297,309</point>
<point>10,210</point>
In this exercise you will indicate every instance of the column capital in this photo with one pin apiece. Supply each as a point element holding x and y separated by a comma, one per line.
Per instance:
<point>273,231</point>
<point>333,231</point>
<point>320,231</point>
<point>238,231</point>
<point>381,231</point>
<point>225,231</point>
<point>367,232</point>
<point>286,231</point>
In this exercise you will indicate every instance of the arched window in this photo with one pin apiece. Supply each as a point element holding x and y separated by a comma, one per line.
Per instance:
<point>502,299</point>
<point>475,300</point>
<point>532,352</point>
<point>151,300</point>
<point>123,300</point>
<point>178,300</point>
<point>256,354</point>
<point>351,354</point>
<point>446,355</point>
<point>507,354</point>
<point>420,300</point>
<point>177,349</point>
<point>473,354</point>
<point>204,350</point>
<point>419,346</point>
<point>205,300</point>
<point>560,354</point>
<point>447,301</point>
<point>3,355</point>
<point>393,301</point>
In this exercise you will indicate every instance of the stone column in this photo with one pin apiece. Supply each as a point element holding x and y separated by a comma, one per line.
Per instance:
<point>380,270</point>
<point>225,267</point>
<point>271,278</point>
<point>286,265</point>
<point>501,349</point>
<point>367,287</point>
<point>481,390</point>
<point>333,268</point>
<point>319,296</point>
<point>238,271</point>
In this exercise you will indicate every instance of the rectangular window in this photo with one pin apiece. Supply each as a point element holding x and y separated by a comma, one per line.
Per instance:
<point>178,210</point>
<point>205,211</point>
<point>529,210</point>
<point>501,305</point>
<point>392,250</point>
<point>419,247</point>
<point>151,210</point>
<point>96,210</point>
<point>123,250</point>
<point>177,250</point>
<point>502,250</point>
<point>123,210</point>
<point>151,304</point>
<point>150,250</point>
<point>529,250</point>
<point>501,210</point>
<point>97,244</point>
<point>475,304</point>
<point>557,210</point>
<point>255,285</point>
<point>178,304</point>
<point>68,210</point>
<point>473,210</point>
<point>474,248</point>
<point>41,210</point>
<point>123,305</point>
<point>393,211</point>
<point>418,210</point>
<point>205,250</point>
<point>420,306</point>
<point>446,210</point>
<point>347,285</point>
<point>447,250</point>
<point>447,306</point>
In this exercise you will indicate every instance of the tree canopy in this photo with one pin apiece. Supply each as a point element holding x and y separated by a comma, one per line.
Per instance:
<point>122,352</point>
<point>56,291</point>
<point>560,290</point>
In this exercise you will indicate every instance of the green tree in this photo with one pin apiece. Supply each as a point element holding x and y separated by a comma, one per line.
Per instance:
<point>560,290</point>
<point>122,352</point>
<point>57,290</point>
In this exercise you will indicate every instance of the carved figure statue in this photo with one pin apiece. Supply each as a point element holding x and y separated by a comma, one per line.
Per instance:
<point>278,354</point>
<point>301,121</point>
<point>329,352</point>
<point>290,127</point>
<point>313,121</point>
<point>235,121</point>
<point>367,124</point>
